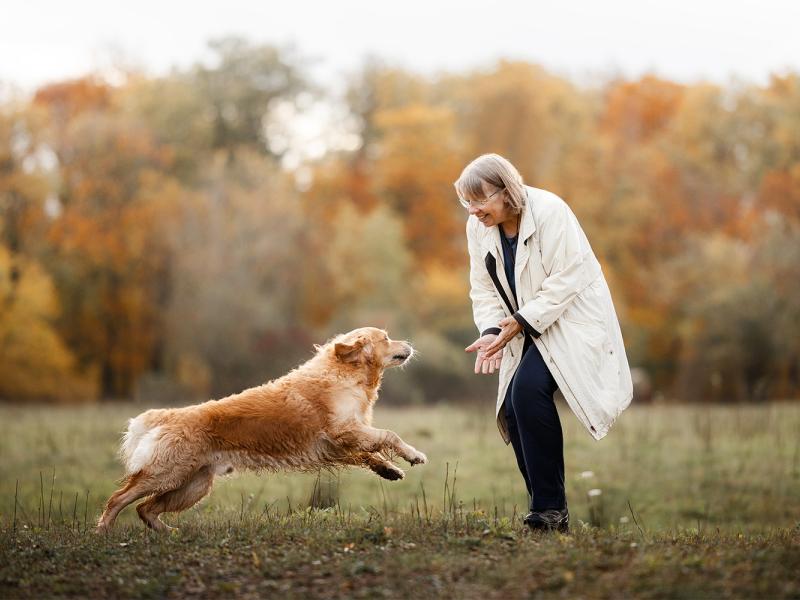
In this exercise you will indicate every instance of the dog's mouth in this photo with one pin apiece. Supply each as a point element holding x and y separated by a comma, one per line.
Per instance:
<point>403,351</point>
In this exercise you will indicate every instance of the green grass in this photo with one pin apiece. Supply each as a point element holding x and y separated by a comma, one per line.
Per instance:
<point>695,502</point>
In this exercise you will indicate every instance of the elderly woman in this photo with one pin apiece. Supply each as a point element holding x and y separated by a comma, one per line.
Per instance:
<point>546,322</point>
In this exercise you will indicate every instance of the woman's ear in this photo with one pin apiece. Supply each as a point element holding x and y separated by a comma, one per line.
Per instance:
<point>348,352</point>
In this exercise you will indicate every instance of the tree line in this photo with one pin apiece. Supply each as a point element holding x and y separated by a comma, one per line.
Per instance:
<point>156,240</point>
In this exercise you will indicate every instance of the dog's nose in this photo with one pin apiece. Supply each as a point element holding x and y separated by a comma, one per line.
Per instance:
<point>406,353</point>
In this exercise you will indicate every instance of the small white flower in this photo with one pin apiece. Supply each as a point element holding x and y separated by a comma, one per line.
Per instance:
<point>623,519</point>
<point>634,544</point>
<point>586,474</point>
<point>594,492</point>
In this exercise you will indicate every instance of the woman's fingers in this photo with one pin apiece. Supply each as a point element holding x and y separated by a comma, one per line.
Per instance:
<point>492,348</point>
<point>481,342</point>
<point>487,362</point>
<point>510,329</point>
<point>487,366</point>
<point>498,343</point>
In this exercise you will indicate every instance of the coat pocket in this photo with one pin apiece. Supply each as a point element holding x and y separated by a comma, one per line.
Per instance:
<point>588,307</point>
<point>586,319</point>
<point>609,366</point>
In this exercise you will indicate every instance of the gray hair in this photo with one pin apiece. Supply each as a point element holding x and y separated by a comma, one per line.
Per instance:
<point>494,170</point>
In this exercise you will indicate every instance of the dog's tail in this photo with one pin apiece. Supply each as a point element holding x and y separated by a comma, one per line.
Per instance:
<point>139,440</point>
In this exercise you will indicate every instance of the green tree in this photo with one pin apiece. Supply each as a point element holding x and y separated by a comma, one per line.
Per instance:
<point>241,87</point>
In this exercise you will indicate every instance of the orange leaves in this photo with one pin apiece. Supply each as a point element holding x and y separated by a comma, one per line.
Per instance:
<point>780,191</point>
<point>636,110</point>
<point>177,241</point>
<point>69,98</point>
<point>416,165</point>
<point>109,245</point>
<point>533,118</point>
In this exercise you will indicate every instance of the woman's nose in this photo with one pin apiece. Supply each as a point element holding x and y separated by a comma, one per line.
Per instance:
<point>473,210</point>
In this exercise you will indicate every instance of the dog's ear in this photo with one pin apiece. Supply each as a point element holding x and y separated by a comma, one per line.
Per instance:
<point>368,350</point>
<point>348,352</point>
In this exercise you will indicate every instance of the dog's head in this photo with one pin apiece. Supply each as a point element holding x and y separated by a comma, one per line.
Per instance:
<point>371,346</point>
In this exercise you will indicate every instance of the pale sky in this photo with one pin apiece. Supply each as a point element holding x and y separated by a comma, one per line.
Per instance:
<point>684,40</point>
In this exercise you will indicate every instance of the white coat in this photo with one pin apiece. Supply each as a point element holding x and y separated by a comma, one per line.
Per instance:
<point>562,295</point>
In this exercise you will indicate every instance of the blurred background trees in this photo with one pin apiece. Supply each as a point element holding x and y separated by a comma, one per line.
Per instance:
<point>159,240</point>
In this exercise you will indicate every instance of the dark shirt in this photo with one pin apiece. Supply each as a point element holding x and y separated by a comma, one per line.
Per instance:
<point>509,255</point>
<point>509,259</point>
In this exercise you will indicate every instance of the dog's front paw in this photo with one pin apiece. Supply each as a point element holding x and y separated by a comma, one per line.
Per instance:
<point>390,472</point>
<point>417,458</point>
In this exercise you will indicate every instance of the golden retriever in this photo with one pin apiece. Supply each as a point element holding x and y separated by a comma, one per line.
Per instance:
<point>318,415</point>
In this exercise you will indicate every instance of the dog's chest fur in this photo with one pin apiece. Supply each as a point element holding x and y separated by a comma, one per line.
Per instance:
<point>350,403</point>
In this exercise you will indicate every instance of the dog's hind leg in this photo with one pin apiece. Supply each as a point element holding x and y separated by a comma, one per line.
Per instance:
<point>186,496</point>
<point>136,487</point>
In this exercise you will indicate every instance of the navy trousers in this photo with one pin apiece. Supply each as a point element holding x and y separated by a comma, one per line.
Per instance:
<point>535,430</point>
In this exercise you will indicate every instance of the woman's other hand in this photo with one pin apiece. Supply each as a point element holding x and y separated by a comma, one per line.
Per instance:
<point>509,327</point>
<point>483,364</point>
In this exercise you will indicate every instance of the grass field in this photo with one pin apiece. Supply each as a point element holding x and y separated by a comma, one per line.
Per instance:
<point>686,502</point>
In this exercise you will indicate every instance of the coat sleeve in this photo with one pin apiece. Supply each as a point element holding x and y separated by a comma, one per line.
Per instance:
<point>486,309</point>
<point>565,257</point>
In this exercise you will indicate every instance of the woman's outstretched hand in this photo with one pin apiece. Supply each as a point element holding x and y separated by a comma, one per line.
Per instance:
<point>509,327</point>
<point>482,364</point>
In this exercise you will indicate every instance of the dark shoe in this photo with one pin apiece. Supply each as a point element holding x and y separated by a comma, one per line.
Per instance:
<point>548,520</point>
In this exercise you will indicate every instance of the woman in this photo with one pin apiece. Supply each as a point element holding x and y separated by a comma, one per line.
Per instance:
<point>546,322</point>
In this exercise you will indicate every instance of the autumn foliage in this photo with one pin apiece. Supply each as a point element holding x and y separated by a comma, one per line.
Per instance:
<point>159,237</point>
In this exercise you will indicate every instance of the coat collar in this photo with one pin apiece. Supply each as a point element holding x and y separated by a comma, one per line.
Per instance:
<point>527,227</point>
<point>492,244</point>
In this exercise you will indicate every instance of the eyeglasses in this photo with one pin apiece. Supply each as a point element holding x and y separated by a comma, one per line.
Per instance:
<point>479,203</point>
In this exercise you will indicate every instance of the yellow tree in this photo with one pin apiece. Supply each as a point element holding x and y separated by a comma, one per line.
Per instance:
<point>36,364</point>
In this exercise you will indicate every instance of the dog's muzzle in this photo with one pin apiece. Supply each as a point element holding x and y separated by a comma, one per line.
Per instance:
<point>404,355</point>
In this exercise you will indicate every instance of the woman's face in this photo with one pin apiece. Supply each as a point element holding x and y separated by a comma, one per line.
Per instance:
<point>495,211</point>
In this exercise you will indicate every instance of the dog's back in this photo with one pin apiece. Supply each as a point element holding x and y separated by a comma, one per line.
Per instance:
<point>279,425</point>
<point>274,426</point>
